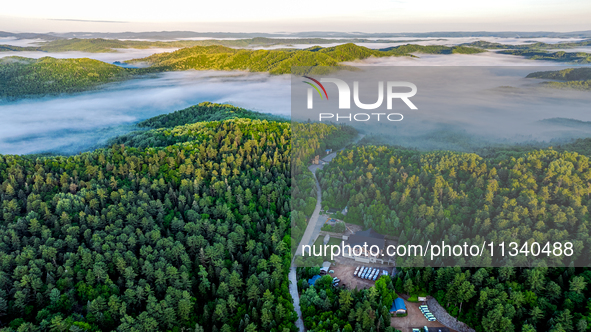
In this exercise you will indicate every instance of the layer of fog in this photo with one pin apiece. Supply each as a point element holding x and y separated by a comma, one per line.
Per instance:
<point>459,108</point>
<point>69,124</point>
<point>20,42</point>
<point>397,41</point>
<point>110,57</point>
<point>585,49</point>
<point>480,59</point>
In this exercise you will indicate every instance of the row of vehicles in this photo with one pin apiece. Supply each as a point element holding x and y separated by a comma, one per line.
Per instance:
<point>336,281</point>
<point>430,317</point>
<point>368,273</point>
<point>425,329</point>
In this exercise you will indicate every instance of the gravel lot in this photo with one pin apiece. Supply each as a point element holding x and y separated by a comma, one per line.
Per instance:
<point>416,319</point>
<point>345,273</point>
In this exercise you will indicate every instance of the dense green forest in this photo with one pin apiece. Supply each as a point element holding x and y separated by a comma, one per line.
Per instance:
<point>309,140</point>
<point>205,111</point>
<point>541,195</point>
<point>280,61</point>
<point>572,78</point>
<point>20,77</point>
<point>560,56</point>
<point>186,225</point>
<point>529,46</point>
<point>569,74</point>
<point>101,45</point>
<point>326,308</point>
<point>538,50</point>
<point>520,193</point>
<point>508,299</point>
<point>190,231</point>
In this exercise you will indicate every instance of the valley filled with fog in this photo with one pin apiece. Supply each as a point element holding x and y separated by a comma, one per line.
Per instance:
<point>70,124</point>
<point>78,122</point>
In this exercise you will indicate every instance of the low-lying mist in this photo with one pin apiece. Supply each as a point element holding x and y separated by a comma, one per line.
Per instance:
<point>70,124</point>
<point>493,106</point>
<point>110,57</point>
<point>459,108</point>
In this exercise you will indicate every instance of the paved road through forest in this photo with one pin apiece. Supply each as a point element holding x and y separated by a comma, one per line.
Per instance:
<point>312,228</point>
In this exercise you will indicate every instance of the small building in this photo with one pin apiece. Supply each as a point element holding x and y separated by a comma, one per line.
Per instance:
<point>328,151</point>
<point>315,160</point>
<point>398,306</point>
<point>345,210</point>
<point>325,267</point>
<point>333,210</point>
<point>369,238</point>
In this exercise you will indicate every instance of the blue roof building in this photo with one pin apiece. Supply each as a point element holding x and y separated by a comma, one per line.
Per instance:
<point>398,306</point>
<point>312,281</point>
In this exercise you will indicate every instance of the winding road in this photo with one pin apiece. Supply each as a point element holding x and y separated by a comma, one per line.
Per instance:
<point>313,228</point>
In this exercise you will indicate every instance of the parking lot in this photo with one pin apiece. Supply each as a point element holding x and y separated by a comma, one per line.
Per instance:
<point>345,273</point>
<point>416,319</point>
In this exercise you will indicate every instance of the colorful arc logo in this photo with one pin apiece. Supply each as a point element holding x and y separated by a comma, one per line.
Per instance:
<point>315,87</point>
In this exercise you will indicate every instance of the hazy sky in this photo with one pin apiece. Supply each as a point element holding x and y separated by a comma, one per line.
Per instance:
<point>301,15</point>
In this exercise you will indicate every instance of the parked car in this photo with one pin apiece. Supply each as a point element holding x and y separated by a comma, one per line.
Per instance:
<point>331,271</point>
<point>423,306</point>
<point>336,284</point>
<point>335,279</point>
<point>375,277</point>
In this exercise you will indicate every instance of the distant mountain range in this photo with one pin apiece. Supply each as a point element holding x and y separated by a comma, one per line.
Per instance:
<point>164,35</point>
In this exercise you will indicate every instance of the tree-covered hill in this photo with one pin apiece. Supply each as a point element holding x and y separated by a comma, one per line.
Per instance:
<point>507,299</point>
<point>100,45</point>
<point>205,111</point>
<point>431,49</point>
<point>542,195</point>
<point>569,74</point>
<point>21,77</point>
<point>560,56</point>
<point>573,78</point>
<point>280,61</point>
<point>191,233</point>
<point>529,46</point>
<point>224,58</point>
